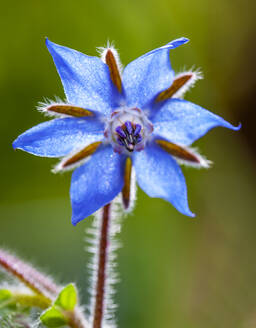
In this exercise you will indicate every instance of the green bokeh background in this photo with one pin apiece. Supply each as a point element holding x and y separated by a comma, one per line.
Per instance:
<point>176,271</point>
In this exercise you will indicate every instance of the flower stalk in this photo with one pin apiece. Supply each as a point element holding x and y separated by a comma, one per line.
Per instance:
<point>137,120</point>
<point>101,270</point>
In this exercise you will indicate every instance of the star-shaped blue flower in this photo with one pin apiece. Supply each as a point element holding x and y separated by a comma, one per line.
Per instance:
<point>114,121</point>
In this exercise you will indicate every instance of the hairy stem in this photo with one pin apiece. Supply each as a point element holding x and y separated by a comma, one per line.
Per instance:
<point>45,290</point>
<point>77,320</point>
<point>101,270</point>
<point>28,275</point>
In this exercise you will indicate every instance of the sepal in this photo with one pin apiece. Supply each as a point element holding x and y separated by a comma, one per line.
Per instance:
<point>53,318</point>
<point>67,298</point>
<point>5,295</point>
<point>62,310</point>
<point>109,56</point>
<point>181,84</point>
<point>62,109</point>
<point>185,155</point>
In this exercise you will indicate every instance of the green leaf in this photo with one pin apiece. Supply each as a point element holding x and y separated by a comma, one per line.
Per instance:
<point>5,294</point>
<point>67,298</point>
<point>53,318</point>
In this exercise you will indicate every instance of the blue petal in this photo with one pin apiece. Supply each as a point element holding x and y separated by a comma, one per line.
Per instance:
<point>183,122</point>
<point>86,79</point>
<point>149,74</point>
<point>58,137</point>
<point>96,183</point>
<point>159,175</point>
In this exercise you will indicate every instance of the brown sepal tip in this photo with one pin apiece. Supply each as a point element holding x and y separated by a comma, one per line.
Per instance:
<point>184,154</point>
<point>113,69</point>
<point>77,157</point>
<point>126,191</point>
<point>69,110</point>
<point>177,84</point>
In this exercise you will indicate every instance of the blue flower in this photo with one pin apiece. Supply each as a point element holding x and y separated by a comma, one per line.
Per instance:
<point>113,121</point>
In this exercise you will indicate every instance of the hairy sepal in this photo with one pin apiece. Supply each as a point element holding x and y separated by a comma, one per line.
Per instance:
<point>195,76</point>
<point>76,158</point>
<point>129,189</point>
<point>62,109</point>
<point>103,51</point>
<point>184,155</point>
<point>203,162</point>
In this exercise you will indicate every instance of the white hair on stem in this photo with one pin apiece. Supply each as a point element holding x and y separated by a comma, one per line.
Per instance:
<point>112,276</point>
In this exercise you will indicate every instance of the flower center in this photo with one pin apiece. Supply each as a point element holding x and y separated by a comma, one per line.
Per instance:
<point>129,135</point>
<point>128,130</point>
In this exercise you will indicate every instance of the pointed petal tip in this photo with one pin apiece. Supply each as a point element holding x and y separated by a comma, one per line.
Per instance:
<point>237,128</point>
<point>49,44</point>
<point>75,220</point>
<point>17,144</point>
<point>14,144</point>
<point>185,40</point>
<point>231,126</point>
<point>178,42</point>
<point>185,211</point>
<point>192,215</point>
<point>47,41</point>
<point>186,113</point>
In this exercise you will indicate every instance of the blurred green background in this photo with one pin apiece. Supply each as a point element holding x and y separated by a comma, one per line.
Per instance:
<point>176,271</point>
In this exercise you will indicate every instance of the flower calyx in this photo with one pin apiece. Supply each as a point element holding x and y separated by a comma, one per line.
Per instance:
<point>128,130</point>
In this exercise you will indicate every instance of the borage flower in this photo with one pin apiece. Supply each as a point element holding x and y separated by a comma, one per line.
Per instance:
<point>113,121</point>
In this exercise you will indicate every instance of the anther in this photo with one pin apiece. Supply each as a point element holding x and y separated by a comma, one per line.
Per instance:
<point>129,135</point>
<point>137,129</point>
<point>128,125</point>
<point>121,132</point>
<point>128,130</point>
<point>138,138</point>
